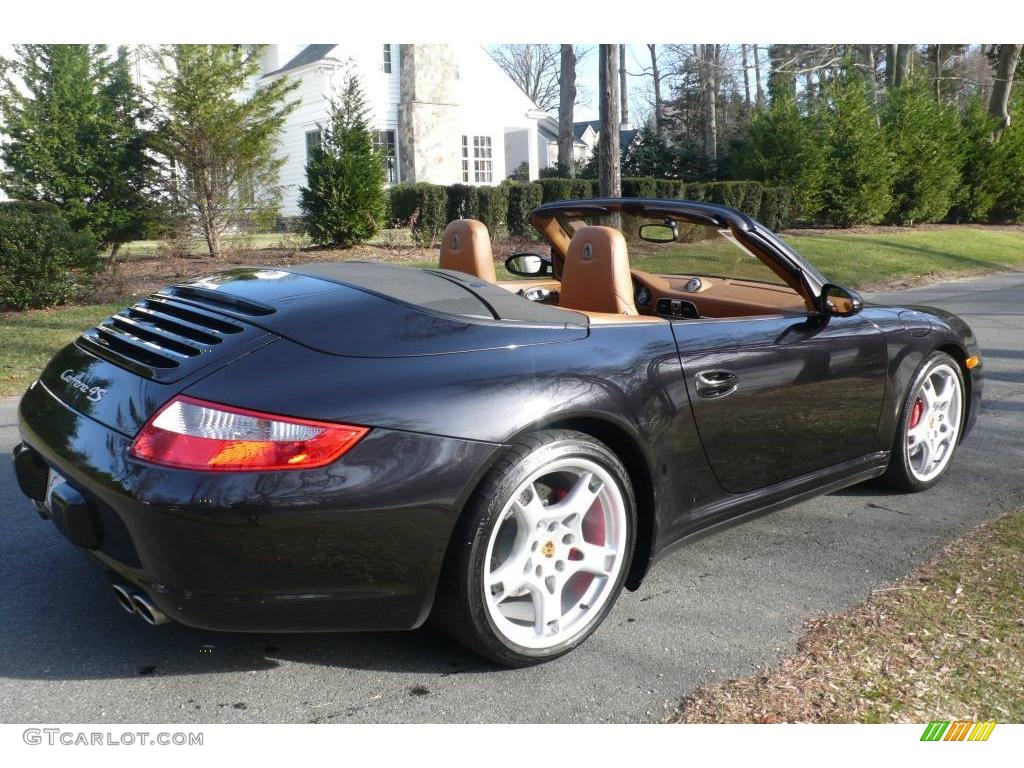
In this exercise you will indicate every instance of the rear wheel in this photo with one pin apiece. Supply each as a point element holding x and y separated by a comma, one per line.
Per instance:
<point>541,551</point>
<point>929,427</point>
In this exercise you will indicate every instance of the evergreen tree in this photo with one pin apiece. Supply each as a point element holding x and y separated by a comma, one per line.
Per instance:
<point>982,177</point>
<point>858,167</point>
<point>344,201</point>
<point>74,138</point>
<point>219,137</point>
<point>1009,165</point>
<point>649,155</point>
<point>922,137</point>
<point>782,148</point>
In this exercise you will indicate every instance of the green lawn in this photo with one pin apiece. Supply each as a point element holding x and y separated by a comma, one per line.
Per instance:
<point>31,338</point>
<point>868,259</point>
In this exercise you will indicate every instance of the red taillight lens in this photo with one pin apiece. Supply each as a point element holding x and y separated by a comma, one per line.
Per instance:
<point>193,434</point>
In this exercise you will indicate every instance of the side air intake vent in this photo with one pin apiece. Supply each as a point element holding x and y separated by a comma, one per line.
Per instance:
<point>159,335</point>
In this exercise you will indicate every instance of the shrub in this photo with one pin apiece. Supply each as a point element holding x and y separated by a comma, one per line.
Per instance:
<point>1009,161</point>
<point>41,257</point>
<point>639,187</point>
<point>345,202</point>
<point>922,136</point>
<point>492,209</point>
<point>522,199</point>
<point>776,207</point>
<point>556,189</point>
<point>462,202</point>
<point>430,215</point>
<point>668,189</point>
<point>981,173</point>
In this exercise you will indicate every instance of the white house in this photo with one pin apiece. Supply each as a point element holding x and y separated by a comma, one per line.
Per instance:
<point>444,114</point>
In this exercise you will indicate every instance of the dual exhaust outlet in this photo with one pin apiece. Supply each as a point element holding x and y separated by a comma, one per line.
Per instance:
<point>138,604</point>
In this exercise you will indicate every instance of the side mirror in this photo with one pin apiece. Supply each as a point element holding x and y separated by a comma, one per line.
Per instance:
<point>529,265</point>
<point>840,301</point>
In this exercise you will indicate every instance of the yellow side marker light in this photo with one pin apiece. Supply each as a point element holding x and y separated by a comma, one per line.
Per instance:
<point>972,362</point>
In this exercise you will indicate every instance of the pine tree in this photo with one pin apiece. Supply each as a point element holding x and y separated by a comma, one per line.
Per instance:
<point>75,139</point>
<point>649,155</point>
<point>1009,165</point>
<point>219,136</point>
<point>781,147</point>
<point>982,179</point>
<point>858,167</point>
<point>344,201</point>
<point>922,136</point>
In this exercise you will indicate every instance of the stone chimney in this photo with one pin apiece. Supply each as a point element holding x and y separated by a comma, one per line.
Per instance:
<point>429,142</point>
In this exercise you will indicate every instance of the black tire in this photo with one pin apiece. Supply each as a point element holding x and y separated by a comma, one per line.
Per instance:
<point>459,608</point>
<point>898,474</point>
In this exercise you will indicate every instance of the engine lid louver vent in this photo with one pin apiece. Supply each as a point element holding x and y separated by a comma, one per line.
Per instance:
<point>163,337</point>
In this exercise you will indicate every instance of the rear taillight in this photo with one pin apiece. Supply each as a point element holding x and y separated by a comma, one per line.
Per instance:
<point>193,434</point>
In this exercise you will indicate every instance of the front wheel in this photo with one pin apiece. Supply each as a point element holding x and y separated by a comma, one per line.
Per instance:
<point>541,551</point>
<point>930,423</point>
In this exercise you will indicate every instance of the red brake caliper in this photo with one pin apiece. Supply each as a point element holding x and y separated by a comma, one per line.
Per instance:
<point>915,417</point>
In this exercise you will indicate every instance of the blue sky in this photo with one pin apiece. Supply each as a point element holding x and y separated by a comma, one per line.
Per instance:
<point>637,58</point>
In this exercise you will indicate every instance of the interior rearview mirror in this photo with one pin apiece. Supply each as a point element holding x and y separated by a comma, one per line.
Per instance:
<point>840,301</point>
<point>529,265</point>
<point>659,233</point>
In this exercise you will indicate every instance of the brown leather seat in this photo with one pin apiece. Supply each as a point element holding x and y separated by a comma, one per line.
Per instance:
<point>466,247</point>
<point>595,277</point>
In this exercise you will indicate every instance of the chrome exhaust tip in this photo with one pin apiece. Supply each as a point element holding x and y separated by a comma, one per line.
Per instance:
<point>124,598</point>
<point>149,612</point>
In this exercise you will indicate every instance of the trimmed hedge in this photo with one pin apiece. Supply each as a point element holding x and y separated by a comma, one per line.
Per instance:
<point>506,208</point>
<point>492,208</point>
<point>42,258</point>
<point>523,197</point>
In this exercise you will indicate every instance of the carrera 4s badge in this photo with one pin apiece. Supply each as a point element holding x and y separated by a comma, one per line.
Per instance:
<point>77,381</point>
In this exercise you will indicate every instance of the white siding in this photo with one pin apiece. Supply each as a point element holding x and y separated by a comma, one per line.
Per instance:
<point>517,149</point>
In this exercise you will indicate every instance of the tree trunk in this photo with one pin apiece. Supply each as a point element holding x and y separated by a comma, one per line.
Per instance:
<point>707,58</point>
<point>902,64</point>
<point>998,106</point>
<point>890,65</point>
<point>609,172</point>
<point>566,102</point>
<point>658,119</point>
<point>869,61</point>
<point>746,75</point>
<point>623,91</point>
<point>757,76</point>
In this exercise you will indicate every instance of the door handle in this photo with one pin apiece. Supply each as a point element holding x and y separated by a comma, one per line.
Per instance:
<point>716,383</point>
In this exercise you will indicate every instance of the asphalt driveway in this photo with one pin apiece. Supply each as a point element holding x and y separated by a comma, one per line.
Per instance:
<point>717,608</point>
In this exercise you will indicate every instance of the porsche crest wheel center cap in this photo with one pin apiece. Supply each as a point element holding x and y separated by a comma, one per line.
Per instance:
<point>548,550</point>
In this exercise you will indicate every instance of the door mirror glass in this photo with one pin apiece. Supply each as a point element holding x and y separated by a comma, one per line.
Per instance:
<point>529,265</point>
<point>840,301</point>
<point>659,233</point>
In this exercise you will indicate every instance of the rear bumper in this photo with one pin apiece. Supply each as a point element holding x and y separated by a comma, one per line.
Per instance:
<point>357,545</point>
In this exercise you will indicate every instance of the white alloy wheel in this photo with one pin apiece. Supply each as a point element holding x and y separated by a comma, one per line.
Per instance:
<point>933,426</point>
<point>554,553</point>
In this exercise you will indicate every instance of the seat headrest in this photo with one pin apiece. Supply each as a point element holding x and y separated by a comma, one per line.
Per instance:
<point>596,277</point>
<point>466,247</point>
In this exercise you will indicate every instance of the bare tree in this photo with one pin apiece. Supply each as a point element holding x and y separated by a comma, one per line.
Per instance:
<point>534,68</point>
<point>746,75</point>
<point>623,90</point>
<point>708,58</point>
<point>757,75</point>
<point>566,102</point>
<point>998,106</point>
<point>609,171</point>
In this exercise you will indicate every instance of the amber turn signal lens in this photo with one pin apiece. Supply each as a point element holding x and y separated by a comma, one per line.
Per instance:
<point>972,362</point>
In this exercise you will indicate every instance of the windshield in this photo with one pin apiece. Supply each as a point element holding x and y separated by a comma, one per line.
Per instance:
<point>694,248</point>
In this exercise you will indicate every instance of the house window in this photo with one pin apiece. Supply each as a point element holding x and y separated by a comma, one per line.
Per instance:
<point>482,164</point>
<point>465,159</point>
<point>386,64</point>
<point>385,143</point>
<point>313,142</point>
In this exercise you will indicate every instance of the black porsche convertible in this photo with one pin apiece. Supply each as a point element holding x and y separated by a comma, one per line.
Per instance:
<point>358,446</point>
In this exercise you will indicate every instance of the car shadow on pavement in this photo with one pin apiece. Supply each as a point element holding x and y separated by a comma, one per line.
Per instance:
<point>60,622</point>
